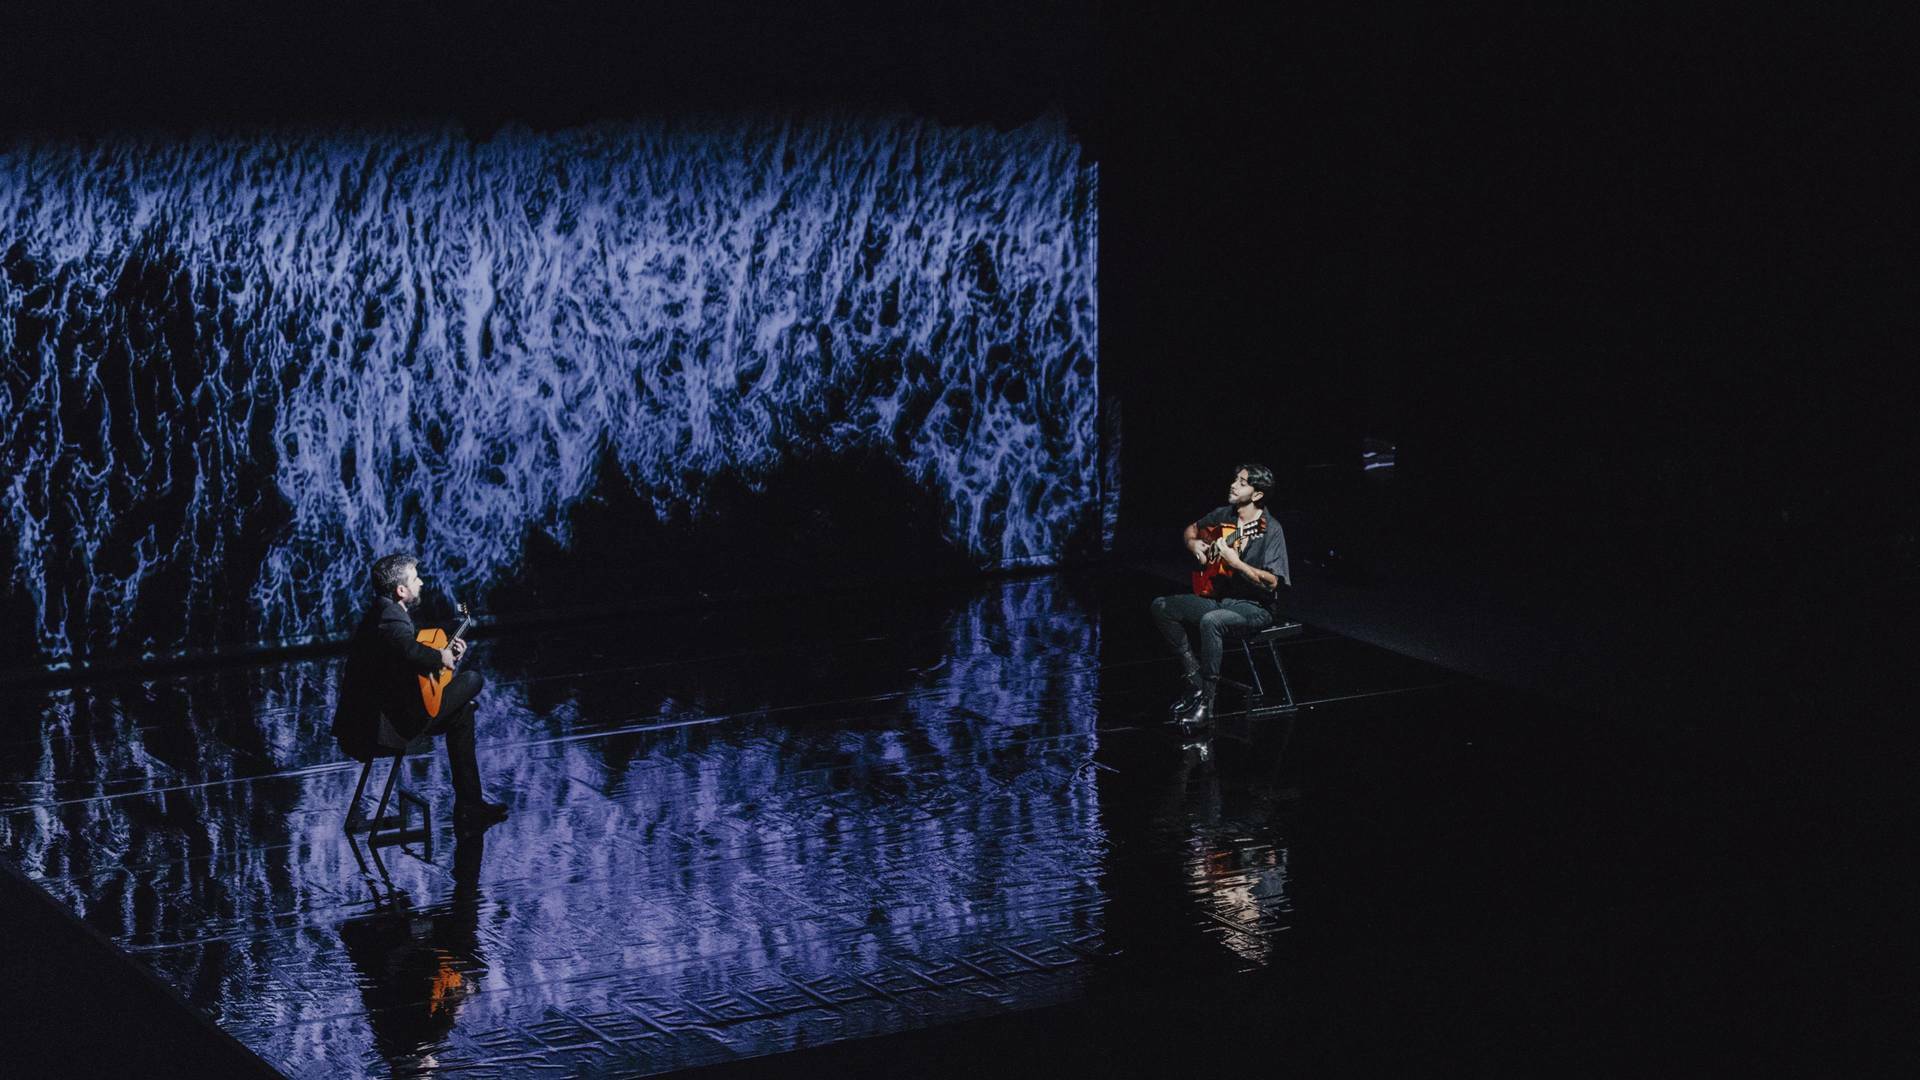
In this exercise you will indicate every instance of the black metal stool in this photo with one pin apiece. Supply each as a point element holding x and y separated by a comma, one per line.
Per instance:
<point>384,828</point>
<point>1269,639</point>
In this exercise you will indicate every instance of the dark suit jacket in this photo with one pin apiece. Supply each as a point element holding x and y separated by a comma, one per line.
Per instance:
<point>384,663</point>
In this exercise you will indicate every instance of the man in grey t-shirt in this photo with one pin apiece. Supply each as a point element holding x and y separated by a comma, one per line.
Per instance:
<point>1251,567</point>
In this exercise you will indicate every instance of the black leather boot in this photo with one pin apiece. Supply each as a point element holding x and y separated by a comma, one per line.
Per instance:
<point>1201,714</point>
<point>1186,702</point>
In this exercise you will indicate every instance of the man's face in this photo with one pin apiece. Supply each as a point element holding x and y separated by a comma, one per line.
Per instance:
<point>1241,493</point>
<point>408,591</point>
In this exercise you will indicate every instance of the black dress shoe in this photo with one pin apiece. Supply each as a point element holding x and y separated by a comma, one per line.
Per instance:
<point>478,815</point>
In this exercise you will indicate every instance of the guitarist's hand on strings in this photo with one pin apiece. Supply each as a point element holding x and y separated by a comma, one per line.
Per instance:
<point>1202,551</point>
<point>1230,555</point>
<point>450,656</point>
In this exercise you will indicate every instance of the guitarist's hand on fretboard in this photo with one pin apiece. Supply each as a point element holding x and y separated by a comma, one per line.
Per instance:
<point>451,648</point>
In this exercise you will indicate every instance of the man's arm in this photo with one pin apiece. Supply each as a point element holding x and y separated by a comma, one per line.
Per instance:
<point>1195,546</point>
<point>397,636</point>
<point>1262,578</point>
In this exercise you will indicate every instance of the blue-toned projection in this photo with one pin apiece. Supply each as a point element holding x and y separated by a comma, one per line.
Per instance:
<point>776,841</point>
<point>239,367</point>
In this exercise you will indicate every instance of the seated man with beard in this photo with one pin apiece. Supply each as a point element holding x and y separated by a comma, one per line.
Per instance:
<point>1249,570</point>
<point>380,699</point>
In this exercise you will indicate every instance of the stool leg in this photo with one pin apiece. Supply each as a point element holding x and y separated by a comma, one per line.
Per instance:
<point>1259,687</point>
<point>393,830</point>
<point>1273,650</point>
<point>393,774</point>
<point>355,822</point>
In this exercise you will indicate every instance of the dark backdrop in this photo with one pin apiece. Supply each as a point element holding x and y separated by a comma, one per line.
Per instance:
<point>1626,288</point>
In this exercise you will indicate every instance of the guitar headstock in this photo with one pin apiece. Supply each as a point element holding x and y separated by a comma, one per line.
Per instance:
<point>465,617</point>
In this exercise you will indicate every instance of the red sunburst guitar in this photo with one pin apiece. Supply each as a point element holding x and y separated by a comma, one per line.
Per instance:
<point>1206,580</point>
<point>433,637</point>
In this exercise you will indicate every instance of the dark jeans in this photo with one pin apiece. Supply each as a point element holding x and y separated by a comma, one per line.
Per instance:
<point>1185,619</point>
<point>457,705</point>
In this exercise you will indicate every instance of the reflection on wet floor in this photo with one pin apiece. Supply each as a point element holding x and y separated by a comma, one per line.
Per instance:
<point>732,835</point>
<point>1236,868</point>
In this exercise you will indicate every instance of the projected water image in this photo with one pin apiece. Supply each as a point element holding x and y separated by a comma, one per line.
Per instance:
<point>237,366</point>
<point>725,841</point>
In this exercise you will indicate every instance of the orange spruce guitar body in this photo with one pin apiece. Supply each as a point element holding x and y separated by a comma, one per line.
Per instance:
<point>1206,580</point>
<point>433,637</point>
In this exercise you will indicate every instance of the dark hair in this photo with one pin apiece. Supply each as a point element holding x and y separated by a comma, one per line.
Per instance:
<point>389,571</point>
<point>1259,478</point>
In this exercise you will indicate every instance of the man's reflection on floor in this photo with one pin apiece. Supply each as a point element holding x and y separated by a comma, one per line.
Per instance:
<point>1235,857</point>
<point>417,966</point>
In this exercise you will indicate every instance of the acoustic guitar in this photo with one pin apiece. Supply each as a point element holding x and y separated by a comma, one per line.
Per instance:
<point>433,637</point>
<point>1206,580</point>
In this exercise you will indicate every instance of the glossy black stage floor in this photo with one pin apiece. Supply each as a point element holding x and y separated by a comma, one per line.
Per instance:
<point>924,834</point>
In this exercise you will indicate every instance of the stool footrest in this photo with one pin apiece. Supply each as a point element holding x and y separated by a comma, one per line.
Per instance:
<point>363,824</point>
<point>395,837</point>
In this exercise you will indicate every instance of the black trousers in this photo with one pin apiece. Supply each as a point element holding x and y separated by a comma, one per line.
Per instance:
<point>1191,622</point>
<point>455,722</point>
